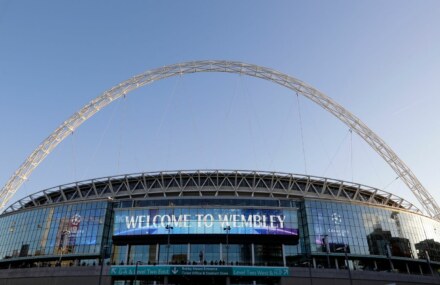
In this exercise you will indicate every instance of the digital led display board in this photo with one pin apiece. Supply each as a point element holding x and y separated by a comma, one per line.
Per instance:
<point>205,221</point>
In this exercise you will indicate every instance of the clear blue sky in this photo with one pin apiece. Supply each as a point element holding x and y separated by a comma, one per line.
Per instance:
<point>379,59</point>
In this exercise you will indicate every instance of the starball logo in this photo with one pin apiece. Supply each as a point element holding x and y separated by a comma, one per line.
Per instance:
<point>336,218</point>
<point>75,220</point>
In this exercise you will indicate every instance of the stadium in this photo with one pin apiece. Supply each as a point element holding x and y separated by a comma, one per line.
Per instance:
<point>217,226</point>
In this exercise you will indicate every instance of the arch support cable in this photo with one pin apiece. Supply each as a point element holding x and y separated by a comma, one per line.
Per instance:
<point>39,154</point>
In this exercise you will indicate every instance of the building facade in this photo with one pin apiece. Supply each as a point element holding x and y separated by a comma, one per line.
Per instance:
<point>219,227</point>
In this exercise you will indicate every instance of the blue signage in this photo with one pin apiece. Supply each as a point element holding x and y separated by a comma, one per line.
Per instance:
<point>143,270</point>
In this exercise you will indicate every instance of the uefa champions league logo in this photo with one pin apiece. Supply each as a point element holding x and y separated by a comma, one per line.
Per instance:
<point>337,229</point>
<point>75,220</point>
<point>336,218</point>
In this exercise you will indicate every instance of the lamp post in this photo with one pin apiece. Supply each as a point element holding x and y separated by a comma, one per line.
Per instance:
<point>327,249</point>
<point>227,229</point>
<point>64,237</point>
<point>346,261</point>
<point>388,254</point>
<point>103,251</point>
<point>136,272</point>
<point>168,228</point>
<point>428,260</point>
<point>309,265</point>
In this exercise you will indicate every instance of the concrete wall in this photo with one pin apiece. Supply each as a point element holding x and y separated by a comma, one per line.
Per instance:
<point>301,276</point>
<point>89,275</point>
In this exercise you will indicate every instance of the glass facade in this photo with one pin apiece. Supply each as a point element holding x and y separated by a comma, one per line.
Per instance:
<point>196,254</point>
<point>199,253</point>
<point>144,253</point>
<point>368,230</point>
<point>238,254</point>
<point>68,229</point>
<point>268,254</point>
<point>278,233</point>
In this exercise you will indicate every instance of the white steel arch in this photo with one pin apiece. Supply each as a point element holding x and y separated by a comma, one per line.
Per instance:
<point>354,123</point>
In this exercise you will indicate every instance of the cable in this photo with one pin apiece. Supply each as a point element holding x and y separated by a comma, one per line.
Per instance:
<point>302,135</point>
<point>98,146</point>
<point>73,145</point>
<point>228,112</point>
<point>197,134</point>
<point>122,127</point>
<point>255,113</point>
<point>234,96</point>
<point>389,184</point>
<point>253,144</point>
<point>251,132</point>
<point>337,151</point>
<point>162,120</point>
<point>316,130</point>
<point>351,153</point>
<point>283,132</point>
<point>365,149</point>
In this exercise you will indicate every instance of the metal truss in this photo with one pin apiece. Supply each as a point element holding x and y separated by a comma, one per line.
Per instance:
<point>213,183</point>
<point>38,155</point>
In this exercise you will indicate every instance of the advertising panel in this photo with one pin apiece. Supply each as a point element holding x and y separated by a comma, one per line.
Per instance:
<point>205,221</point>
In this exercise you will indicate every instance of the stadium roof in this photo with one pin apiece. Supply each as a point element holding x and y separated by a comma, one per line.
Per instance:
<point>212,183</point>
